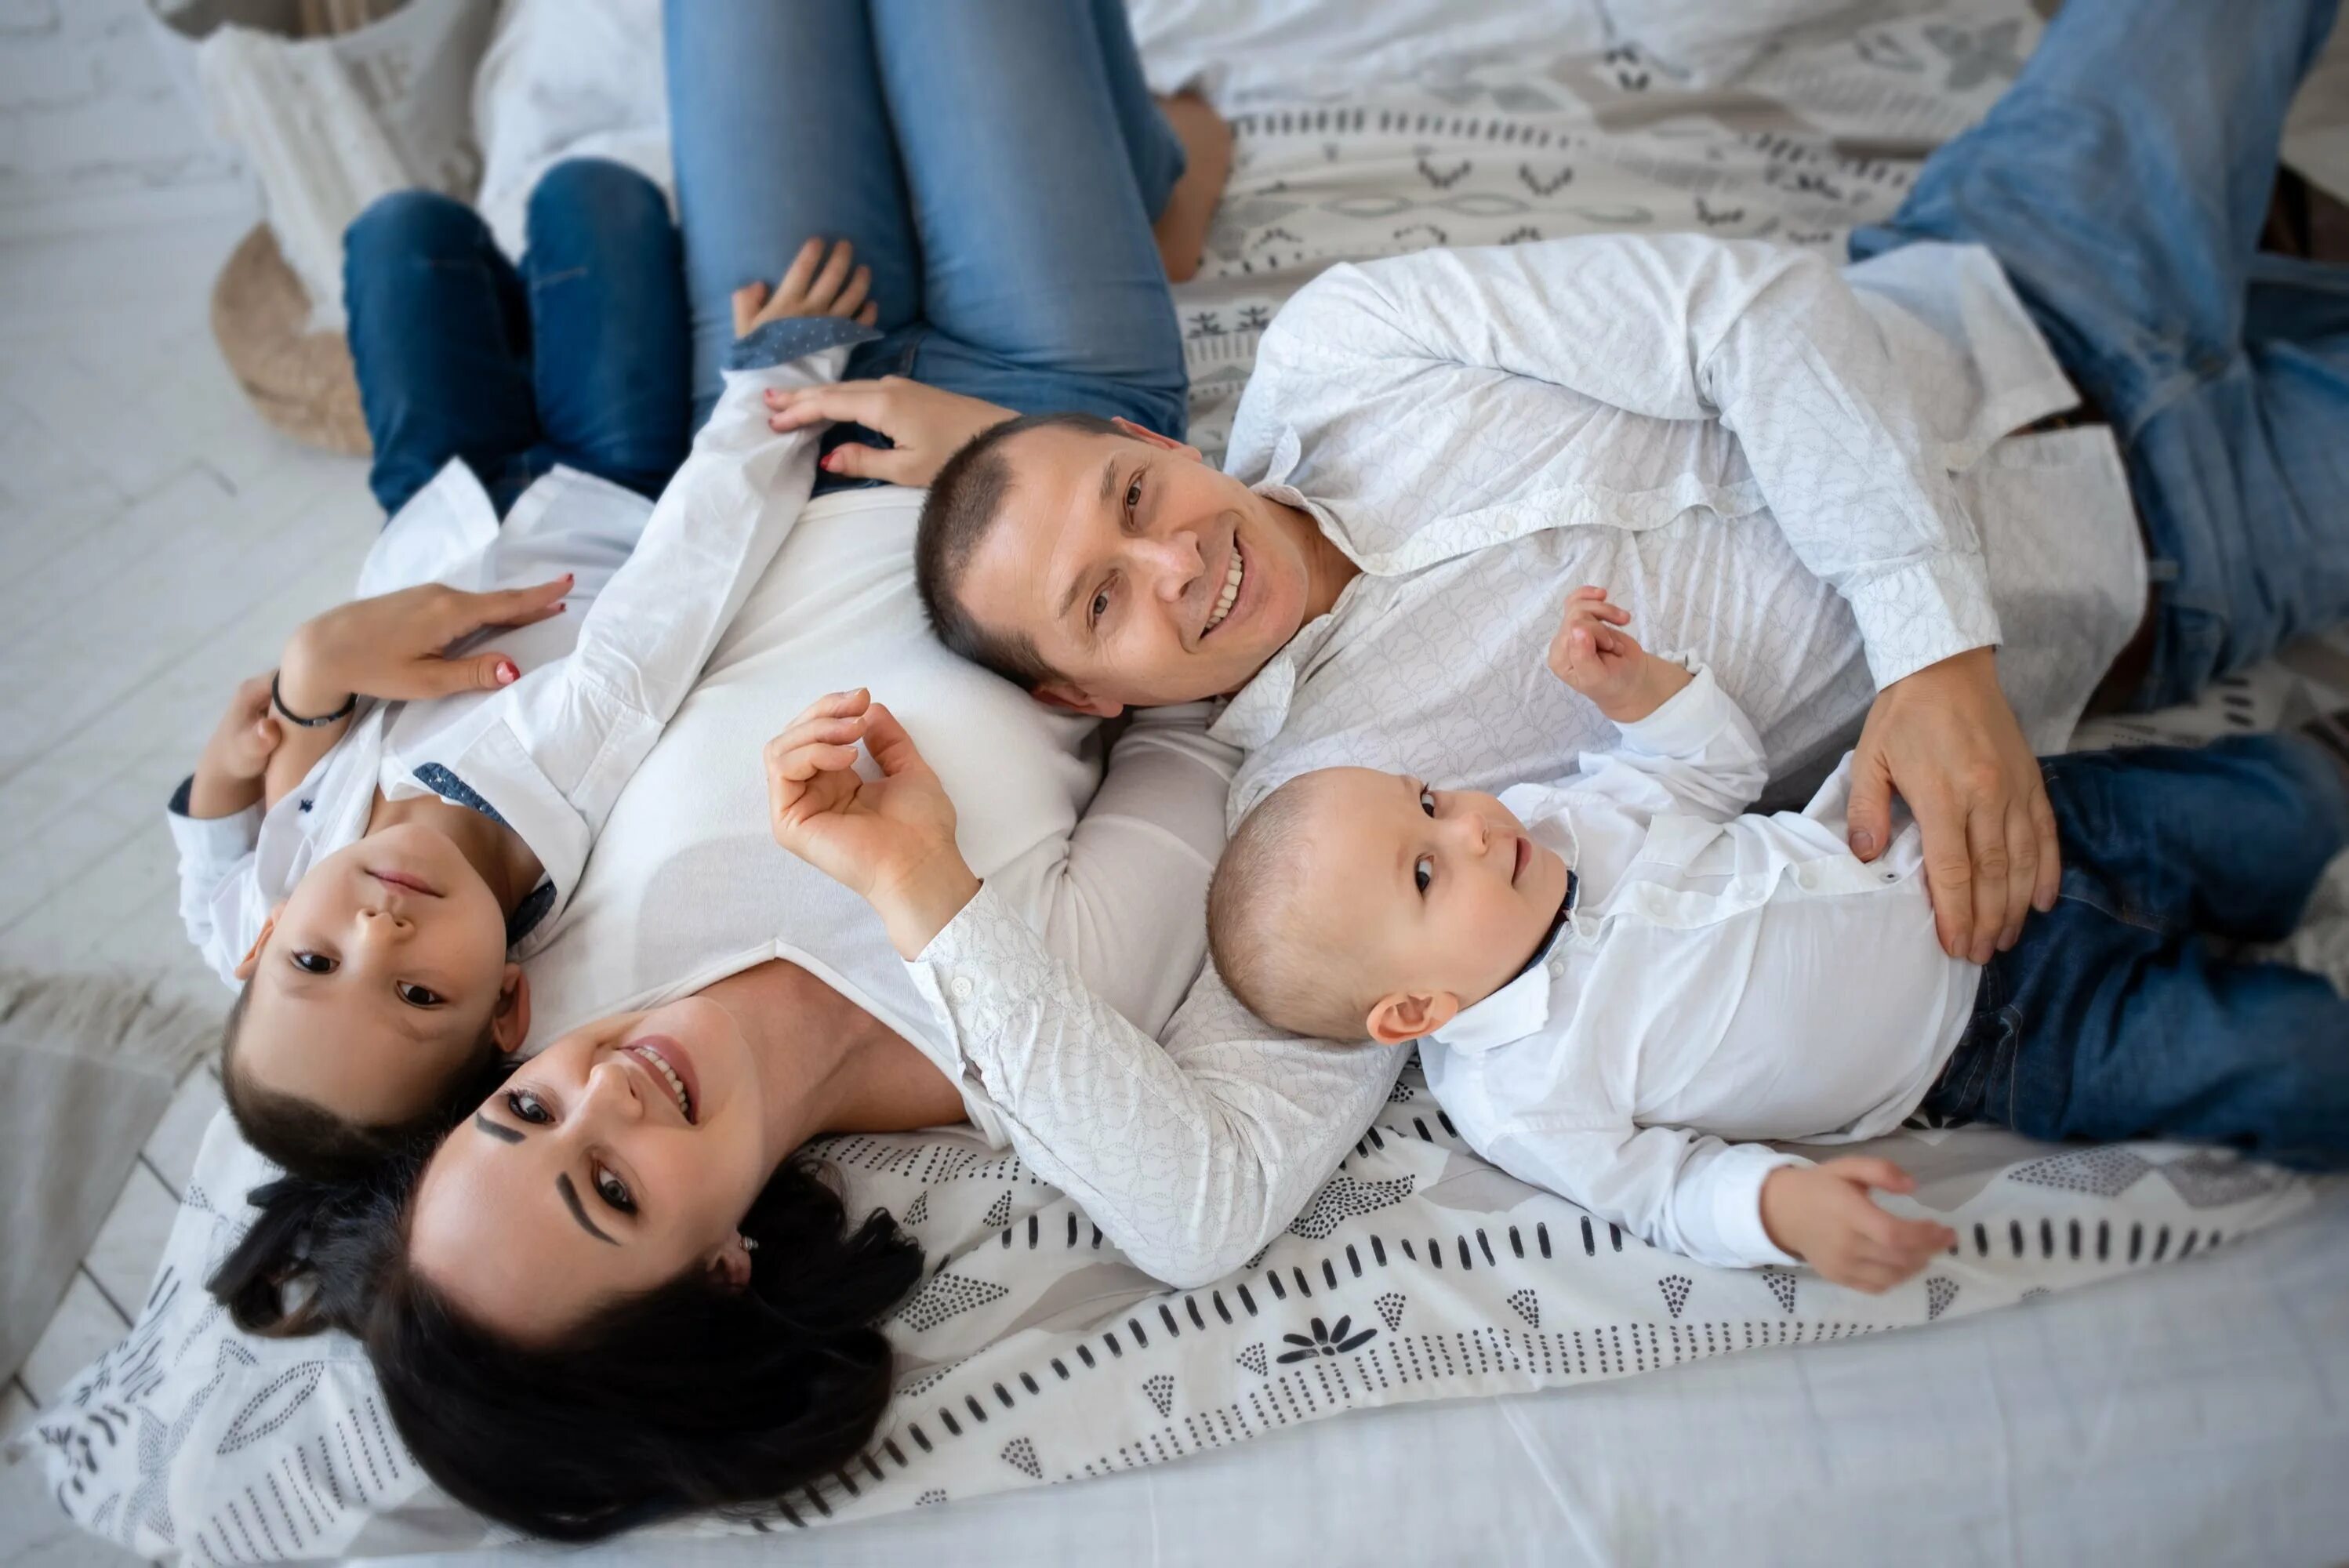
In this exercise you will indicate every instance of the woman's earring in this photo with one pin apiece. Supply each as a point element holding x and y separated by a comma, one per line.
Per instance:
<point>749,1244</point>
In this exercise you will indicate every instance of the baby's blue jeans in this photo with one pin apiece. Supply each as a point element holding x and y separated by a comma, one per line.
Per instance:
<point>2123,1012</point>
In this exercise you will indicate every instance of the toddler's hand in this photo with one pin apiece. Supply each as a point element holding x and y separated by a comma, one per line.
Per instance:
<point>238,751</point>
<point>817,285</point>
<point>892,841</point>
<point>1822,1214</point>
<point>926,424</point>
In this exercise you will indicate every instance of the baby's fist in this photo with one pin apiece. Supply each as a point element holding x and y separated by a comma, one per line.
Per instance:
<point>1592,653</point>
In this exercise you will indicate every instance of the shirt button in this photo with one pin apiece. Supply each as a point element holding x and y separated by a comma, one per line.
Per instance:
<point>1557,968</point>
<point>960,986</point>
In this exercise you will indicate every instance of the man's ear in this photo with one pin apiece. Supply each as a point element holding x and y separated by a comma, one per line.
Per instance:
<point>510,1023</point>
<point>729,1266</point>
<point>1165,443</point>
<point>251,959</point>
<point>1402,1016</point>
<point>1071,698</point>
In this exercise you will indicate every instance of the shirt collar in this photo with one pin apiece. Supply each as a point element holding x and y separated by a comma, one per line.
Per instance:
<point>1511,1012</point>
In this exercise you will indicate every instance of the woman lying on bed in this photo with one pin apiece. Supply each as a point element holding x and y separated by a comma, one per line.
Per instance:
<point>620,1290</point>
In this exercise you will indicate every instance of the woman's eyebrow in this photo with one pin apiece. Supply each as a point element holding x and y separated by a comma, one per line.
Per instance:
<point>496,1129</point>
<point>571,1196</point>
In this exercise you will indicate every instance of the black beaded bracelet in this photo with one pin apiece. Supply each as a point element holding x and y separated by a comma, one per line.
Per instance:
<point>277,701</point>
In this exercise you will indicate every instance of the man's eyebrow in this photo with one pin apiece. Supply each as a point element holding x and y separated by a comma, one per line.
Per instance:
<point>571,1196</point>
<point>496,1129</point>
<point>1109,478</point>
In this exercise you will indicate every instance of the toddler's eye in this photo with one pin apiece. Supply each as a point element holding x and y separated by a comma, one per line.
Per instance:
<point>614,1191</point>
<point>1427,801</point>
<point>527,1107</point>
<point>1422,872</point>
<point>314,962</point>
<point>418,996</point>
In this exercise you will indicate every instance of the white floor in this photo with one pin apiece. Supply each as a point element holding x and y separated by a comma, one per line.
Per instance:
<point>157,542</point>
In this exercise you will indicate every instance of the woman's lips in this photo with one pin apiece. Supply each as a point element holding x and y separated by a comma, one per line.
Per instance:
<point>681,1064</point>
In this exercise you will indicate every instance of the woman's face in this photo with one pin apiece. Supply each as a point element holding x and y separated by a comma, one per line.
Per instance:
<point>618,1159</point>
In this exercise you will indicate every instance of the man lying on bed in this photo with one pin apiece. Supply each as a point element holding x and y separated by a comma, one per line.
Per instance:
<point>1835,489</point>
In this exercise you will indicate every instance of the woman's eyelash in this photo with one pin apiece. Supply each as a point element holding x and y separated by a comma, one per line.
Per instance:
<point>615,1191</point>
<point>527,1107</point>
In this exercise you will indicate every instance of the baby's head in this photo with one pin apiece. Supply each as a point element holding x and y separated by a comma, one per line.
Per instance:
<point>1352,903</point>
<point>374,991</point>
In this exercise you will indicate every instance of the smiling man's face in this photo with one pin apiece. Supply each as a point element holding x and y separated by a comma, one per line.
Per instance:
<point>1140,573</point>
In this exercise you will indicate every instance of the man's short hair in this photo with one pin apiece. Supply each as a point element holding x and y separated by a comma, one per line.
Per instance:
<point>1266,931</point>
<point>963,503</point>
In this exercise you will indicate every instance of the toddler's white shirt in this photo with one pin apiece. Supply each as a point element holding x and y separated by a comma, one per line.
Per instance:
<point>657,584</point>
<point>1720,979</point>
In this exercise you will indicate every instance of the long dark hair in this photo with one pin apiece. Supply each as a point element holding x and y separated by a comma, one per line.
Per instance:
<point>691,1396</point>
<point>304,1263</point>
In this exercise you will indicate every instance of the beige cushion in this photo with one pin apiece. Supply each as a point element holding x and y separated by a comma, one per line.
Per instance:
<point>300,380</point>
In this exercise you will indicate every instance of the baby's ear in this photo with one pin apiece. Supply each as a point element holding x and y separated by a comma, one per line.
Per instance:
<point>510,1022</point>
<point>251,959</point>
<point>1402,1016</point>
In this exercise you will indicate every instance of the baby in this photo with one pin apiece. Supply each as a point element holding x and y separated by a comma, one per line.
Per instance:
<point>1621,985</point>
<point>381,826</point>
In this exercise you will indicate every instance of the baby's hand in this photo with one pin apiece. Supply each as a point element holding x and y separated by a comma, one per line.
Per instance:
<point>890,840</point>
<point>1823,1214</point>
<point>816,285</point>
<point>1597,657</point>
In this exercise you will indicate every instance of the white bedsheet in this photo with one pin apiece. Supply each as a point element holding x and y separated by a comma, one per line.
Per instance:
<point>2196,1414</point>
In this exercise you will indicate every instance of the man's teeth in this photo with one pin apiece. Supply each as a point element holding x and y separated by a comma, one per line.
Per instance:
<point>1230,594</point>
<point>677,1085</point>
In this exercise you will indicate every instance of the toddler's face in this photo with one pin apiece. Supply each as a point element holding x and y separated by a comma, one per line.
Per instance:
<point>1441,892</point>
<point>374,982</point>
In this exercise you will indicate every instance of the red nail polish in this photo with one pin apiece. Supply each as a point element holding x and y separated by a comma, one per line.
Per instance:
<point>830,462</point>
<point>507,673</point>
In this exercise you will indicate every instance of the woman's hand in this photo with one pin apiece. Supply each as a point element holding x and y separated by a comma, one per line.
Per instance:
<point>228,773</point>
<point>816,286</point>
<point>891,840</point>
<point>927,425</point>
<point>392,646</point>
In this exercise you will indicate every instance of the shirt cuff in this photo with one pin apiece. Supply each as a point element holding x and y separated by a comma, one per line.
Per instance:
<point>794,337</point>
<point>1924,613</point>
<point>1684,721</point>
<point>1737,1208</point>
<point>217,840</point>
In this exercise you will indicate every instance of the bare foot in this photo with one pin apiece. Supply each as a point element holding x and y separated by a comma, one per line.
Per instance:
<point>1182,229</point>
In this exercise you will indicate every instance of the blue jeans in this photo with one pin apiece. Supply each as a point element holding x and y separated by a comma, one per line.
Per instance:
<point>2122,182</point>
<point>580,357</point>
<point>996,165</point>
<point>2120,1013</point>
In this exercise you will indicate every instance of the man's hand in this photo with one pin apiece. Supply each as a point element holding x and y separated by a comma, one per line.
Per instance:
<point>1594,654</point>
<point>892,842</point>
<point>228,773</point>
<point>928,424</point>
<point>1945,739</point>
<point>816,286</point>
<point>1823,1214</point>
<point>392,646</point>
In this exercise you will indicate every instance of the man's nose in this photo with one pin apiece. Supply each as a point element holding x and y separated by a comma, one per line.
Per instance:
<point>1174,563</point>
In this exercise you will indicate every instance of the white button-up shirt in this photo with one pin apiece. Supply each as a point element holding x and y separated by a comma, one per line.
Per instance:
<point>1800,476</point>
<point>1718,982</point>
<point>548,755</point>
